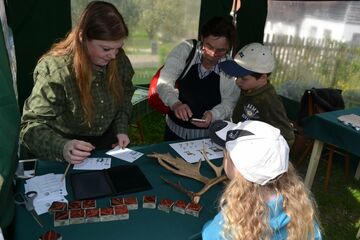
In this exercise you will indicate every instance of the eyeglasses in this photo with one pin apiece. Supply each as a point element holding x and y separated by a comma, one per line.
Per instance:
<point>217,51</point>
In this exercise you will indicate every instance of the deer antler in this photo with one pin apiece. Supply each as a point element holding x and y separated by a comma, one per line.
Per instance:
<point>212,182</point>
<point>179,187</point>
<point>217,170</point>
<point>181,167</point>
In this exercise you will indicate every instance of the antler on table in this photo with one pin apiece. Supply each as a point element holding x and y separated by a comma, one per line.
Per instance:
<point>181,167</point>
<point>179,187</point>
<point>217,170</point>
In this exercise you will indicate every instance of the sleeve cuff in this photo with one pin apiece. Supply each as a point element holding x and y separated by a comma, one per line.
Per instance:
<point>58,150</point>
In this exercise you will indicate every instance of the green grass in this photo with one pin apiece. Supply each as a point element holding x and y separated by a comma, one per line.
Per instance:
<point>143,75</point>
<point>339,207</point>
<point>153,125</point>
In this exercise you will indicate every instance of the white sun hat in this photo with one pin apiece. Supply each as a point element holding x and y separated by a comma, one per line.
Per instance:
<point>258,150</point>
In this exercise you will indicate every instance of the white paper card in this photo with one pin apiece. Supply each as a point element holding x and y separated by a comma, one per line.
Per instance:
<point>94,164</point>
<point>49,188</point>
<point>125,154</point>
<point>45,185</point>
<point>351,119</point>
<point>191,150</point>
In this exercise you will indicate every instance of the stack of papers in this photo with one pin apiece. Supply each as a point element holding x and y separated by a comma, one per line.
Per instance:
<point>190,151</point>
<point>49,188</point>
<point>352,120</point>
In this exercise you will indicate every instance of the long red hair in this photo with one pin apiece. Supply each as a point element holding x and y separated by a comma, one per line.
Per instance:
<point>99,21</point>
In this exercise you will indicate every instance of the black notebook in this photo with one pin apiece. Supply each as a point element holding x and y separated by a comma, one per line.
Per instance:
<point>117,180</point>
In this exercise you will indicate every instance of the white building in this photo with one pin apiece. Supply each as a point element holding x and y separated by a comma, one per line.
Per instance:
<point>335,20</point>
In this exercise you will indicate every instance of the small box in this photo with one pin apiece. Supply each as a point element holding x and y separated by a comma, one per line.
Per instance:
<point>77,216</point>
<point>57,207</point>
<point>165,205</point>
<point>193,209</point>
<point>116,201</point>
<point>121,212</point>
<point>131,203</point>
<point>75,205</point>
<point>92,215</point>
<point>179,206</point>
<point>88,204</point>
<point>149,202</point>
<point>107,214</point>
<point>61,218</point>
<point>51,235</point>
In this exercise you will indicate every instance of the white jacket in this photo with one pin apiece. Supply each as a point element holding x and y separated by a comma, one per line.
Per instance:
<point>174,65</point>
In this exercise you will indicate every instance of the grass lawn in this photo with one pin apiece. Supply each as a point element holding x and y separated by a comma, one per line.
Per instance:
<point>143,75</point>
<point>339,207</point>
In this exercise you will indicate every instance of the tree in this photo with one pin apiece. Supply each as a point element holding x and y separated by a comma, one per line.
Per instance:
<point>162,19</point>
<point>128,8</point>
<point>130,11</point>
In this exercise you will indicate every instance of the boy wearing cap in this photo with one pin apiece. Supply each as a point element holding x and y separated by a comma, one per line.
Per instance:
<point>265,198</point>
<point>258,100</point>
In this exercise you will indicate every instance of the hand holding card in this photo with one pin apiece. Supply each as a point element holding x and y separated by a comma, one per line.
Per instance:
<point>200,122</point>
<point>197,120</point>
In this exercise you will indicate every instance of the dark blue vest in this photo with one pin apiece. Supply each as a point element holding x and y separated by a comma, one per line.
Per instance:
<point>199,94</point>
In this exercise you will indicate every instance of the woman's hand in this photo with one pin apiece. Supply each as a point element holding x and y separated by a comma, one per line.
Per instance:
<point>76,151</point>
<point>207,117</point>
<point>123,140</point>
<point>182,111</point>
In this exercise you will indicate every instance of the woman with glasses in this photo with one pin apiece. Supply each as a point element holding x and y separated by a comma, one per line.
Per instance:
<point>204,94</point>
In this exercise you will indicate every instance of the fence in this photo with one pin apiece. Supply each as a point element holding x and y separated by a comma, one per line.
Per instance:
<point>306,63</point>
<point>303,64</point>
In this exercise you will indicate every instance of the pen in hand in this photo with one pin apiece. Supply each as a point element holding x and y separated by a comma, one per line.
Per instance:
<point>66,171</point>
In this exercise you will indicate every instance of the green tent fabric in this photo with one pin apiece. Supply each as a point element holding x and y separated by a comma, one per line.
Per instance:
<point>36,25</point>
<point>9,135</point>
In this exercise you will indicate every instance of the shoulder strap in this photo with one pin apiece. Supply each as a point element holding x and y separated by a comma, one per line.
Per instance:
<point>192,52</point>
<point>189,58</point>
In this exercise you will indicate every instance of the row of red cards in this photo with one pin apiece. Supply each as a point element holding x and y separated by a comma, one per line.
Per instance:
<point>77,212</point>
<point>178,206</point>
<point>166,205</point>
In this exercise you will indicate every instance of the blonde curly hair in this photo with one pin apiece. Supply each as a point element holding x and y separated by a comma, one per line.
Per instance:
<point>246,214</point>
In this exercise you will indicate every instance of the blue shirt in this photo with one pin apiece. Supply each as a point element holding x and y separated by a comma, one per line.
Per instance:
<point>278,221</point>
